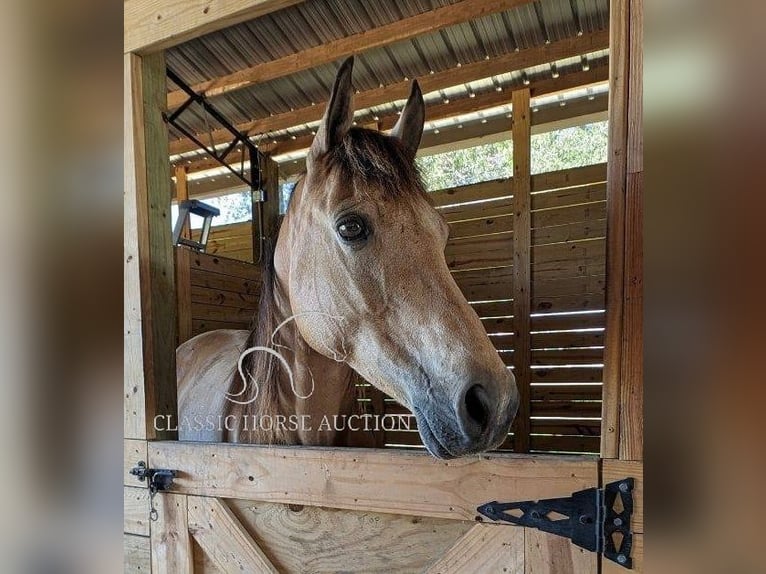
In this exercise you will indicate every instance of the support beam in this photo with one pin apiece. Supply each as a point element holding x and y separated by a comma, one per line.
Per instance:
<point>522,274</point>
<point>430,83</point>
<point>327,52</point>
<point>150,186</point>
<point>170,539</point>
<point>151,26</point>
<point>182,194</point>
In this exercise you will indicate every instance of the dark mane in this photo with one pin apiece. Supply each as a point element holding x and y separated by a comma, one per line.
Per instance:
<point>372,158</point>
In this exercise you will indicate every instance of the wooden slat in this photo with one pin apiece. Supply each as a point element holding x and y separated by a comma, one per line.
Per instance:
<point>588,193</point>
<point>133,451</point>
<point>568,356</point>
<point>363,479</point>
<point>493,189</point>
<point>522,258</point>
<point>484,548</point>
<point>135,516</point>
<point>566,409</point>
<point>569,214</point>
<point>568,321</point>
<point>134,397</point>
<point>571,177</point>
<point>483,226</point>
<point>586,302</point>
<point>137,555</point>
<point>470,72</point>
<point>207,296</point>
<point>215,281</point>
<point>567,375</point>
<point>224,539</point>
<point>566,392</point>
<point>469,211</point>
<point>570,232</point>
<point>183,293</point>
<point>171,542</point>
<point>151,26</point>
<point>547,554</point>
<point>494,308</point>
<point>566,340</point>
<point>585,444</point>
<point>225,266</point>
<point>485,284</point>
<point>337,49</point>
<point>632,368</point>
<point>201,311</point>
<point>569,286</point>
<point>479,252</point>
<point>566,427</point>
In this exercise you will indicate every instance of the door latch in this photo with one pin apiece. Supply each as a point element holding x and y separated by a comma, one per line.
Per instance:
<point>157,478</point>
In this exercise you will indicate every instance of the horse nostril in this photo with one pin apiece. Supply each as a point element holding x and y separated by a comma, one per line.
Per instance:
<point>477,407</point>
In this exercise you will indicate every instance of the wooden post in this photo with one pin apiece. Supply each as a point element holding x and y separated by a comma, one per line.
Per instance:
<point>170,539</point>
<point>622,412</point>
<point>149,185</point>
<point>522,280</point>
<point>182,194</point>
<point>183,293</point>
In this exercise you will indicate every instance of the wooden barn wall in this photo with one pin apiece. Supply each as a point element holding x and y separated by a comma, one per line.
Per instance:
<point>214,292</point>
<point>234,241</point>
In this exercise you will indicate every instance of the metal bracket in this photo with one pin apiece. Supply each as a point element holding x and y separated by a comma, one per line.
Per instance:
<point>591,518</point>
<point>159,479</point>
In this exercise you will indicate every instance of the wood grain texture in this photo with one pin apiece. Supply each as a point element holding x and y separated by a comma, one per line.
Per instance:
<point>137,557</point>
<point>484,548</point>
<point>223,538</point>
<point>380,543</point>
<point>183,292</point>
<point>155,249</point>
<point>441,80</point>
<point>133,452</point>
<point>522,258</point>
<point>135,517</point>
<point>551,554</point>
<point>134,398</point>
<point>340,48</point>
<point>368,480</point>
<point>171,541</point>
<point>613,470</point>
<point>151,26</point>
<point>618,89</point>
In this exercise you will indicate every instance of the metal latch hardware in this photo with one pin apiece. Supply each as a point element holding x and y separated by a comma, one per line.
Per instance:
<point>157,478</point>
<point>597,519</point>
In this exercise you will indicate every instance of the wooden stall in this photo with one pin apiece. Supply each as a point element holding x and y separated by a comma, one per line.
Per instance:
<point>551,262</point>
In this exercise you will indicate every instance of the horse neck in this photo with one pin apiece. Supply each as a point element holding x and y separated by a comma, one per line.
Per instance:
<point>320,387</point>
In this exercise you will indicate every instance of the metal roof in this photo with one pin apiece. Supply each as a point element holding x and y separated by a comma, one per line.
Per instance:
<point>315,22</point>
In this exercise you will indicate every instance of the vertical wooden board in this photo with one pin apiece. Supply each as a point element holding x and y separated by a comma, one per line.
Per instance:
<point>155,249</point>
<point>223,538</point>
<point>133,451</point>
<point>484,548</point>
<point>137,557</point>
<point>182,194</point>
<point>615,224</point>
<point>134,400</point>
<point>171,541</point>
<point>632,372</point>
<point>550,554</point>
<point>609,567</point>
<point>522,287</point>
<point>612,470</point>
<point>135,517</point>
<point>636,89</point>
<point>183,293</point>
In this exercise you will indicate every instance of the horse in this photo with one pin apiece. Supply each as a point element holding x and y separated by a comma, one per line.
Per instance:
<point>357,285</point>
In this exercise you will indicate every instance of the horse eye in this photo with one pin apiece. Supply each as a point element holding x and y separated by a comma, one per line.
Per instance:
<point>352,229</point>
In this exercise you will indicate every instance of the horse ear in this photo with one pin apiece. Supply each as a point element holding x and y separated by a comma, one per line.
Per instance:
<point>409,127</point>
<point>339,113</point>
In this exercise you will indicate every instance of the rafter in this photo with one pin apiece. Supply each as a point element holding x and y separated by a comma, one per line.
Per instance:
<point>440,80</point>
<point>397,31</point>
<point>443,111</point>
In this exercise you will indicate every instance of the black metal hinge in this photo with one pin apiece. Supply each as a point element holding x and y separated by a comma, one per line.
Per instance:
<point>597,519</point>
<point>157,478</point>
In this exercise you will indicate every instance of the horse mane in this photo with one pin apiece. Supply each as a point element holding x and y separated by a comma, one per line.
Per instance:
<point>262,367</point>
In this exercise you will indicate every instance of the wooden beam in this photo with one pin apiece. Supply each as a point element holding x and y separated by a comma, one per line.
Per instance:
<point>463,106</point>
<point>182,194</point>
<point>327,52</point>
<point>429,83</point>
<point>171,542</point>
<point>387,481</point>
<point>183,292</point>
<point>224,539</point>
<point>484,548</point>
<point>150,26</point>
<point>522,275</point>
